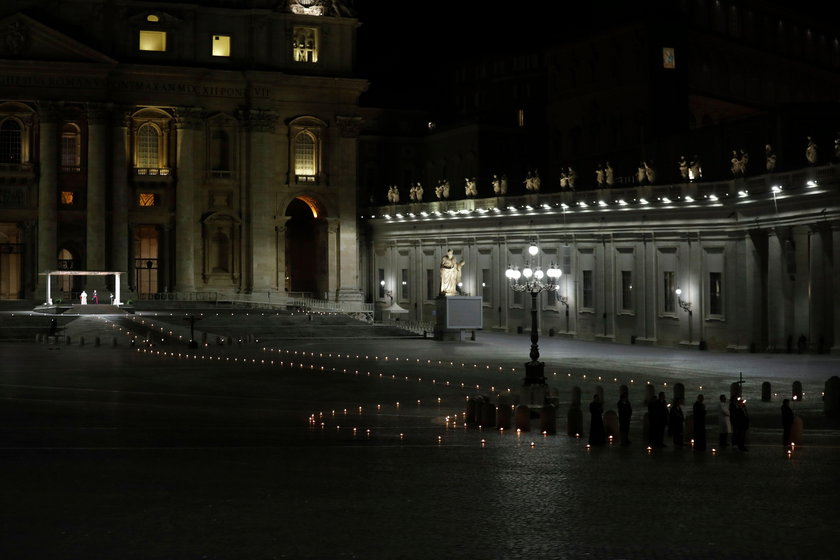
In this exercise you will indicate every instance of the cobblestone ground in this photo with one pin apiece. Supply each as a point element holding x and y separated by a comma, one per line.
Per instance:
<point>224,452</point>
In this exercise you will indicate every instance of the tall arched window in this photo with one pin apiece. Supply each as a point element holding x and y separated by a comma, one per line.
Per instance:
<point>71,148</point>
<point>307,151</point>
<point>10,141</point>
<point>148,146</point>
<point>305,155</point>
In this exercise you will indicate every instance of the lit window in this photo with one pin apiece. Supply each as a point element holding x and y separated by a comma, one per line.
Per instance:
<point>305,44</point>
<point>147,199</point>
<point>627,290</point>
<point>668,291</point>
<point>152,40</point>
<point>10,141</point>
<point>148,147</point>
<point>305,155</point>
<point>715,293</point>
<point>152,18</point>
<point>221,45</point>
<point>520,117</point>
<point>71,154</point>
<point>588,290</point>
<point>67,198</point>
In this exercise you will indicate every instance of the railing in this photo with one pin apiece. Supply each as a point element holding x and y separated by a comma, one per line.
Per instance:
<point>313,304</point>
<point>424,328</point>
<point>206,297</point>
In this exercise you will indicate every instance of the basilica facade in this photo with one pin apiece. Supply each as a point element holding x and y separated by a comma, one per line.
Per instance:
<point>192,147</point>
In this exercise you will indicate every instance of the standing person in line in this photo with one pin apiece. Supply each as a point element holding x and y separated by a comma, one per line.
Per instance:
<point>660,414</point>
<point>652,416</point>
<point>597,434</point>
<point>787,422</point>
<point>676,422</point>
<point>724,422</point>
<point>625,411</point>
<point>699,415</point>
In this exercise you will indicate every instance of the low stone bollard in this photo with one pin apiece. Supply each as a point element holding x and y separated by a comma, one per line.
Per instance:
<point>96,341</point>
<point>548,419</point>
<point>114,342</point>
<point>611,424</point>
<point>472,404</point>
<point>796,391</point>
<point>503,415</point>
<point>796,430</point>
<point>522,418</point>
<point>650,394</point>
<point>679,391</point>
<point>488,415</point>
<point>831,397</point>
<point>766,392</point>
<point>574,422</point>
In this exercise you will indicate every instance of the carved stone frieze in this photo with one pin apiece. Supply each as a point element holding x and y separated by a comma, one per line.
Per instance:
<point>258,120</point>
<point>189,118</point>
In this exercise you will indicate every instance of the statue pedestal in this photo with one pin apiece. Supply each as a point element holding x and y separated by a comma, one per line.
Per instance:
<point>457,314</point>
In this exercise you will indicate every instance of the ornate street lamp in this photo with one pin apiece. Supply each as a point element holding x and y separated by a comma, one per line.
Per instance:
<point>534,281</point>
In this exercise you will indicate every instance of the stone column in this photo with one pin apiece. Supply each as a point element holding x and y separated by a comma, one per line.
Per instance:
<point>834,268</point>
<point>801,284</point>
<point>47,196</point>
<point>260,213</point>
<point>281,222</point>
<point>120,190</point>
<point>346,149</point>
<point>817,312</point>
<point>334,256</point>
<point>776,269</point>
<point>96,176</point>
<point>188,124</point>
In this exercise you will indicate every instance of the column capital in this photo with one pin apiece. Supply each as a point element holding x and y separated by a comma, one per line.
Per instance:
<point>189,118</point>
<point>97,113</point>
<point>48,111</point>
<point>258,120</point>
<point>349,126</point>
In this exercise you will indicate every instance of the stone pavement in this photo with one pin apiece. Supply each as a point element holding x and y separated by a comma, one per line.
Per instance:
<point>353,448</point>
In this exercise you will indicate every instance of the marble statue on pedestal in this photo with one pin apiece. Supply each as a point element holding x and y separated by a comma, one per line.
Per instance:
<point>771,158</point>
<point>811,151</point>
<point>695,171</point>
<point>683,165</point>
<point>470,188</point>
<point>609,174</point>
<point>650,172</point>
<point>640,173</point>
<point>599,175</point>
<point>450,274</point>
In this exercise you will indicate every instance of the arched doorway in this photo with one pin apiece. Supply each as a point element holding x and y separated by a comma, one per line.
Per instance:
<point>306,248</point>
<point>11,249</point>
<point>67,284</point>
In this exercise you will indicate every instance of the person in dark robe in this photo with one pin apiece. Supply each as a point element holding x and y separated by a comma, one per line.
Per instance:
<point>676,422</point>
<point>699,417</point>
<point>787,422</point>
<point>597,434</point>
<point>740,422</point>
<point>625,411</point>
<point>658,417</point>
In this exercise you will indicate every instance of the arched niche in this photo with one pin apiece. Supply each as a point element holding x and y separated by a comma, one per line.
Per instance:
<point>221,232</point>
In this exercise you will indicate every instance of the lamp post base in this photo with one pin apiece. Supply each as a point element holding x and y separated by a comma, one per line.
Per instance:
<point>534,373</point>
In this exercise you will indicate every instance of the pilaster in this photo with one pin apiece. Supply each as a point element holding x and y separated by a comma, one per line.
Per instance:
<point>188,122</point>
<point>47,196</point>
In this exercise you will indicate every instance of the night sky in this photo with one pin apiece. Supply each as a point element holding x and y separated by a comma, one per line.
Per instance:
<point>406,48</point>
